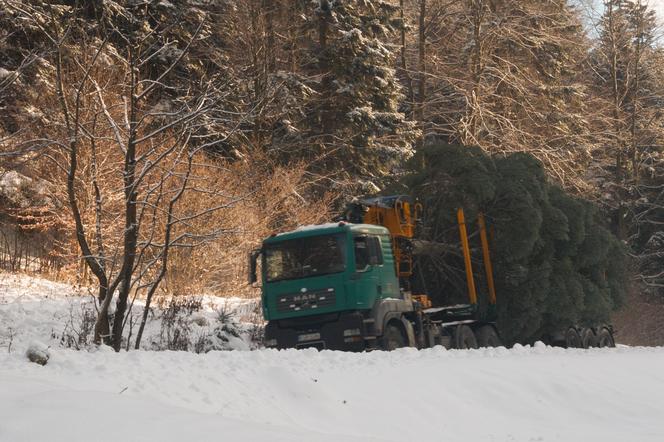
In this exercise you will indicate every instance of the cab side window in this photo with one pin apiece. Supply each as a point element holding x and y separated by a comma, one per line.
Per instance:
<point>367,252</point>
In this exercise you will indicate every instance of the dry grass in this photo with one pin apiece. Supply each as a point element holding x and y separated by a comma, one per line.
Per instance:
<point>263,200</point>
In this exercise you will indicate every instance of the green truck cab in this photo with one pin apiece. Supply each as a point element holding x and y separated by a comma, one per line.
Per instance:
<point>326,286</point>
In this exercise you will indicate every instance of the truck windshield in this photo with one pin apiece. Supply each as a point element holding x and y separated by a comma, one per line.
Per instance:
<point>300,258</point>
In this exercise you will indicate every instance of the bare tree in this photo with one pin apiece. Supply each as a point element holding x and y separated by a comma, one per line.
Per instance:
<point>506,76</point>
<point>129,149</point>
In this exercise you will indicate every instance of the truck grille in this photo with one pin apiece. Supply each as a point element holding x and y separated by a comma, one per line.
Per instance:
<point>312,300</point>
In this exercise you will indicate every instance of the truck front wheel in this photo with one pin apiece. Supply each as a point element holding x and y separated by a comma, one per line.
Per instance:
<point>393,337</point>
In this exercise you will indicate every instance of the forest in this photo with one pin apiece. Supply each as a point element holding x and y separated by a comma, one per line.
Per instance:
<point>146,147</point>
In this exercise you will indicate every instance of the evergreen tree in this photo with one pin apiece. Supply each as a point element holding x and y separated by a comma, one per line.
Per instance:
<point>623,67</point>
<point>357,115</point>
<point>627,68</point>
<point>555,263</point>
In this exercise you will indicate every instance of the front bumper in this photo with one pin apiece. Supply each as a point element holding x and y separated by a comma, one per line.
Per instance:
<point>338,331</point>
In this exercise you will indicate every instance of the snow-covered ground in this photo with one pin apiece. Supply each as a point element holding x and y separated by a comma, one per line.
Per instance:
<point>521,394</point>
<point>61,315</point>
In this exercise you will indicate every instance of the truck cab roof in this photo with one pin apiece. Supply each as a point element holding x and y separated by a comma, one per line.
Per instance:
<point>328,228</point>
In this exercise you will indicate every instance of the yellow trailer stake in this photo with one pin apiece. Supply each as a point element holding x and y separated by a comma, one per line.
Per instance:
<point>472,294</point>
<point>487,259</point>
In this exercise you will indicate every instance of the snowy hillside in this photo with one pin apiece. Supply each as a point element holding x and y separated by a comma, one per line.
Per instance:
<point>521,394</point>
<point>62,316</point>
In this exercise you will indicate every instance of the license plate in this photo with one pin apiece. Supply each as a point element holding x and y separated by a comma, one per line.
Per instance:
<point>308,337</point>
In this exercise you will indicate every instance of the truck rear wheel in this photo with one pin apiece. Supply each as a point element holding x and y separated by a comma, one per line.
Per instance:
<point>393,337</point>
<point>487,337</point>
<point>572,338</point>
<point>464,338</point>
<point>605,338</point>
<point>588,338</point>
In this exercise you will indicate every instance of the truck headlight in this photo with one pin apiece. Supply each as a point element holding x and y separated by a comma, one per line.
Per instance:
<point>271,343</point>
<point>352,332</point>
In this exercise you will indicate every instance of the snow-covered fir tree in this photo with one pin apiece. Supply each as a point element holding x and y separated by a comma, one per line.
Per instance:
<point>358,114</point>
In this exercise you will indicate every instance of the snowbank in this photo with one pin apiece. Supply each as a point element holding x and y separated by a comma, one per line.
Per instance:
<point>522,394</point>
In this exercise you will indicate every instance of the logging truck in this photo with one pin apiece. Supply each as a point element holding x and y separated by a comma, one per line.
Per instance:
<point>348,285</point>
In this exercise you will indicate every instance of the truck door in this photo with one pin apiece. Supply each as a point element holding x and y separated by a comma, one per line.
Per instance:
<point>366,282</point>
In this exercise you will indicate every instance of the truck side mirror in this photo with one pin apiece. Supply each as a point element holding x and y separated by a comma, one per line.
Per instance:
<point>253,258</point>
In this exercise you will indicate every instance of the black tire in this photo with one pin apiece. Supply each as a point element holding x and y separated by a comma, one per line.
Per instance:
<point>572,338</point>
<point>487,337</point>
<point>464,338</point>
<point>588,338</point>
<point>605,338</point>
<point>393,337</point>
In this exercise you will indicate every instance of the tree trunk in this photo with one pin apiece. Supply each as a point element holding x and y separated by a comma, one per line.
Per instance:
<point>403,61</point>
<point>635,99</point>
<point>323,63</point>
<point>270,46</point>
<point>421,87</point>
<point>615,92</point>
<point>478,8</point>
<point>131,222</point>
